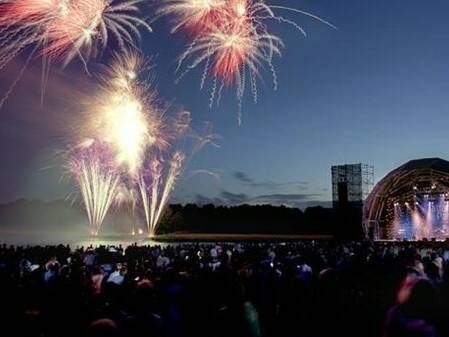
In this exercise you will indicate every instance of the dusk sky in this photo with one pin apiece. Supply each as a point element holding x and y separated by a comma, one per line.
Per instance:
<point>375,91</point>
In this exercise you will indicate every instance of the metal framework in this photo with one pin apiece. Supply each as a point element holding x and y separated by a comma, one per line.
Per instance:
<point>353,183</point>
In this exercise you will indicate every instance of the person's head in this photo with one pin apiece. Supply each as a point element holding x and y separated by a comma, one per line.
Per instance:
<point>102,328</point>
<point>144,295</point>
<point>417,297</point>
<point>433,271</point>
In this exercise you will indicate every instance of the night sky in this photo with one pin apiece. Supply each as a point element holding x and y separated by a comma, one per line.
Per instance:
<point>375,91</point>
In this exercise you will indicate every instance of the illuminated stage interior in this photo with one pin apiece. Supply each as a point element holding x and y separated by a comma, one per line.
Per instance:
<point>425,216</point>
<point>411,202</point>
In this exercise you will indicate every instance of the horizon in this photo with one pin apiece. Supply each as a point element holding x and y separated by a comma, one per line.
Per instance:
<point>313,204</point>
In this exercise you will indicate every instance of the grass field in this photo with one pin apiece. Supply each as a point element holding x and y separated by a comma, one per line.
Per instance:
<point>237,237</point>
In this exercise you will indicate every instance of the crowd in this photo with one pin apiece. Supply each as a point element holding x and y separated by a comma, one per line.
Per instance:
<point>310,288</point>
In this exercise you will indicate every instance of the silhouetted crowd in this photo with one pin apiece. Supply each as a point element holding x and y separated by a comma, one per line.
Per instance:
<point>310,288</point>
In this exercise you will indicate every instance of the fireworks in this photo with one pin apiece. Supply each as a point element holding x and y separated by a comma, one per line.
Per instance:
<point>128,151</point>
<point>192,15</point>
<point>84,24</point>
<point>231,39</point>
<point>97,179</point>
<point>156,182</point>
<point>66,29</point>
<point>131,154</point>
<point>158,178</point>
<point>125,114</point>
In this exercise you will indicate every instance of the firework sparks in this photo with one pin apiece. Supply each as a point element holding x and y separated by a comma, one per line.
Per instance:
<point>161,172</point>
<point>66,29</point>
<point>125,113</point>
<point>192,15</point>
<point>97,180</point>
<point>144,149</point>
<point>85,24</point>
<point>155,188</point>
<point>231,40</point>
<point>122,117</point>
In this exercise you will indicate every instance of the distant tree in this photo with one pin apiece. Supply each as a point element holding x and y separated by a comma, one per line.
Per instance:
<point>171,220</point>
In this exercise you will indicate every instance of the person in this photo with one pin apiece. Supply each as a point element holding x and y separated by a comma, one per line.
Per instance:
<point>118,276</point>
<point>102,328</point>
<point>142,319</point>
<point>97,280</point>
<point>52,271</point>
<point>239,317</point>
<point>413,316</point>
<point>89,258</point>
<point>162,261</point>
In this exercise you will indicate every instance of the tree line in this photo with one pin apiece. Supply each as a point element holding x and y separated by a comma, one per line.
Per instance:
<point>262,219</point>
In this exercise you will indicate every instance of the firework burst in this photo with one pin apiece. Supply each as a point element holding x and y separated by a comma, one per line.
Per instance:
<point>142,152</point>
<point>125,113</point>
<point>192,15</point>
<point>66,29</point>
<point>231,41</point>
<point>120,123</point>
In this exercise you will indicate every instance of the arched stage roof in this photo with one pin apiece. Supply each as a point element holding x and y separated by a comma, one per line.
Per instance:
<point>422,175</point>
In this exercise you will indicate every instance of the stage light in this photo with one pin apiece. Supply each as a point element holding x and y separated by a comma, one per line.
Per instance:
<point>140,231</point>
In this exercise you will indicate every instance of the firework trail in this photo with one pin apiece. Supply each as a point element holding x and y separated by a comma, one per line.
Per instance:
<point>231,40</point>
<point>161,172</point>
<point>155,188</point>
<point>97,179</point>
<point>67,29</point>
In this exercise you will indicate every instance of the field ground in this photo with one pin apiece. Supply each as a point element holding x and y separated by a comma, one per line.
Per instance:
<point>237,237</point>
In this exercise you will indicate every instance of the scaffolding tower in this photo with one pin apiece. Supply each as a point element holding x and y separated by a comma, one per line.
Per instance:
<point>351,184</point>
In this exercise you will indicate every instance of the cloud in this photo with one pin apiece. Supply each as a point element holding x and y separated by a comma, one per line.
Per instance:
<point>202,200</point>
<point>285,197</point>
<point>242,177</point>
<point>213,174</point>
<point>269,185</point>
<point>297,200</point>
<point>234,198</point>
<point>291,200</point>
<point>302,185</point>
<point>275,199</point>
